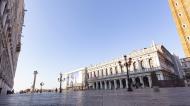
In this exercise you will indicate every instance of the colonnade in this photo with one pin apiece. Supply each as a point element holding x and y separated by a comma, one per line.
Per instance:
<point>121,83</point>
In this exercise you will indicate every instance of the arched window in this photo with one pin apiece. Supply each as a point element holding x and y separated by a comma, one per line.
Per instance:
<point>134,66</point>
<point>102,72</point>
<point>116,71</point>
<point>111,71</point>
<point>94,74</point>
<point>106,71</point>
<point>121,68</point>
<point>151,64</point>
<point>142,64</point>
<point>98,74</point>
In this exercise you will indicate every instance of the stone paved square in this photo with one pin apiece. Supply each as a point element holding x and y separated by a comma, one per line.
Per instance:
<point>139,97</point>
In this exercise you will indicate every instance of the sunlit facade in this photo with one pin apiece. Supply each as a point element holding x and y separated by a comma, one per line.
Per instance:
<point>185,67</point>
<point>11,22</point>
<point>149,66</point>
<point>181,13</point>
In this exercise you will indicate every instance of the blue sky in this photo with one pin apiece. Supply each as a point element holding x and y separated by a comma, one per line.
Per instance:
<point>63,35</point>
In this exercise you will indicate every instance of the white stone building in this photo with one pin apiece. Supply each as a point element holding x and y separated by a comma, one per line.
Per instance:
<point>75,79</point>
<point>11,22</point>
<point>155,60</point>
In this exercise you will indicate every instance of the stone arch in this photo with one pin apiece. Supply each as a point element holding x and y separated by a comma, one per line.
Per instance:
<point>112,84</point>
<point>118,83</point>
<point>107,84</point>
<point>124,83</point>
<point>98,85</point>
<point>130,81</point>
<point>146,82</point>
<point>95,85</point>
<point>103,85</point>
<point>137,82</point>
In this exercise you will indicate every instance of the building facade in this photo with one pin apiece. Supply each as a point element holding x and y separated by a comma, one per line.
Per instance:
<point>149,66</point>
<point>11,22</point>
<point>75,80</point>
<point>185,67</point>
<point>181,13</point>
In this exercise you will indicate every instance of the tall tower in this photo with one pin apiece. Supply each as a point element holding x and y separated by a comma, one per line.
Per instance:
<point>34,82</point>
<point>181,13</point>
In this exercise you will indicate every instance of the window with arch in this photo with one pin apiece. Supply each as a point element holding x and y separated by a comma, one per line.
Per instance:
<point>116,71</point>
<point>121,68</point>
<point>134,65</point>
<point>151,64</point>
<point>106,71</point>
<point>98,74</point>
<point>111,71</point>
<point>91,75</point>
<point>102,71</point>
<point>142,64</point>
<point>94,74</point>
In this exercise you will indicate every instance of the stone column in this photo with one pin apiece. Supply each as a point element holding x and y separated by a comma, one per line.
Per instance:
<point>141,80</point>
<point>101,87</point>
<point>105,84</point>
<point>110,84</point>
<point>150,81</point>
<point>126,80</point>
<point>93,86</point>
<point>96,85</point>
<point>121,84</point>
<point>115,84</point>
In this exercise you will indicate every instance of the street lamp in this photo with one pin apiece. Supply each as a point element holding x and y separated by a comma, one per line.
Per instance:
<point>60,79</point>
<point>41,84</point>
<point>127,65</point>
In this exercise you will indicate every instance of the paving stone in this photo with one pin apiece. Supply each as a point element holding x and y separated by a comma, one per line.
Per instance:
<point>139,97</point>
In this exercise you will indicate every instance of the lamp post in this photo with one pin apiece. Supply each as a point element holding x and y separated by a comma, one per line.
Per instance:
<point>127,65</point>
<point>60,79</point>
<point>41,84</point>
